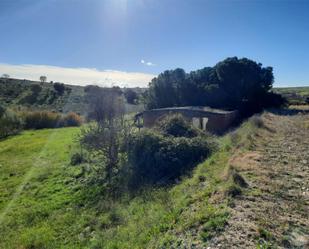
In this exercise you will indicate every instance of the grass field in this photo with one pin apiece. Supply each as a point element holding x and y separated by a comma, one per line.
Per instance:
<point>303,91</point>
<point>45,204</point>
<point>294,95</point>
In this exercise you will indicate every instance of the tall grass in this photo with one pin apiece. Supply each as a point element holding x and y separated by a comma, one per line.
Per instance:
<point>47,119</point>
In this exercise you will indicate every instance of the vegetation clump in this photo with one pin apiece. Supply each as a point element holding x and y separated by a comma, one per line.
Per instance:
<point>158,159</point>
<point>176,125</point>
<point>10,122</point>
<point>46,119</point>
<point>59,87</point>
<point>231,84</point>
<point>71,119</point>
<point>138,158</point>
<point>131,96</point>
<point>106,135</point>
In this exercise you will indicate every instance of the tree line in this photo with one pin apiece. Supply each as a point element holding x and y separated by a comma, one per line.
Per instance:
<point>233,83</point>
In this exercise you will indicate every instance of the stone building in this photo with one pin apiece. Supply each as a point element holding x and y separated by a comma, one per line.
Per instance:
<point>205,118</point>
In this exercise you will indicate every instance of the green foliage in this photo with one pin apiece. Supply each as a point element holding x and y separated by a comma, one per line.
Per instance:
<point>76,215</point>
<point>10,123</point>
<point>177,126</point>
<point>232,83</point>
<point>32,96</point>
<point>214,225</point>
<point>77,158</point>
<point>57,210</point>
<point>59,87</point>
<point>41,96</point>
<point>103,138</point>
<point>294,95</point>
<point>155,158</point>
<point>234,190</point>
<point>131,96</point>
<point>41,237</point>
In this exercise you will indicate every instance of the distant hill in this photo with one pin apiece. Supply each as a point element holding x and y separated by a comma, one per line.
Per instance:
<point>294,95</point>
<point>34,95</point>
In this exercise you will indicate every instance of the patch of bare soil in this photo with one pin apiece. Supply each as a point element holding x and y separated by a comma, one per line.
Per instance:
<point>273,212</point>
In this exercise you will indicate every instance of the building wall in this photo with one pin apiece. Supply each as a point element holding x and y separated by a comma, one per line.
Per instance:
<point>216,122</point>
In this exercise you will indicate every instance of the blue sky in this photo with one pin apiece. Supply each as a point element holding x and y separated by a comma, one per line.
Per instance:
<point>130,41</point>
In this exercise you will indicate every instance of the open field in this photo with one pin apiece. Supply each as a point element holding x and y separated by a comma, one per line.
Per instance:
<point>45,204</point>
<point>294,95</point>
<point>302,91</point>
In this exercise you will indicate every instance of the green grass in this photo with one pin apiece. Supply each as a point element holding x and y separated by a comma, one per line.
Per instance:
<point>298,90</point>
<point>45,204</point>
<point>17,93</point>
<point>294,95</point>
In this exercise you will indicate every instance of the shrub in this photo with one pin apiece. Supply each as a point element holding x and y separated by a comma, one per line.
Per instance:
<point>41,119</point>
<point>10,123</point>
<point>131,96</point>
<point>46,119</point>
<point>176,125</point>
<point>59,87</point>
<point>157,159</point>
<point>71,119</point>
<point>77,158</point>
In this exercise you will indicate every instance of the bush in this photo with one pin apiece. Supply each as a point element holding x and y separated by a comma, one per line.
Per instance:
<point>77,158</point>
<point>10,123</point>
<point>131,96</point>
<point>176,125</point>
<point>41,119</point>
<point>46,119</point>
<point>157,159</point>
<point>71,119</point>
<point>59,87</point>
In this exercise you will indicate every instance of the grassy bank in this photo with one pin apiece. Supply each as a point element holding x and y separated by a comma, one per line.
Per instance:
<point>45,204</point>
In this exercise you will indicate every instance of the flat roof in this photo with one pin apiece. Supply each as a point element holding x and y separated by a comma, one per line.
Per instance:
<point>192,108</point>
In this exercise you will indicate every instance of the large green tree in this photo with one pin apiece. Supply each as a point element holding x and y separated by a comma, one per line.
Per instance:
<point>232,83</point>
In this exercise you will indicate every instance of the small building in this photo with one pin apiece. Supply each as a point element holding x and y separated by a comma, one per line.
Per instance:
<point>202,117</point>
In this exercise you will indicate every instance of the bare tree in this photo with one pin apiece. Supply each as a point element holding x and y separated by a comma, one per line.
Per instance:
<point>104,137</point>
<point>43,79</point>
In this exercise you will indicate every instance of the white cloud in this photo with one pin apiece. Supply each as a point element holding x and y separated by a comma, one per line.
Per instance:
<point>77,76</point>
<point>147,63</point>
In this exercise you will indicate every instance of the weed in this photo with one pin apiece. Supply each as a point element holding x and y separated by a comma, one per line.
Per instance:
<point>215,224</point>
<point>233,190</point>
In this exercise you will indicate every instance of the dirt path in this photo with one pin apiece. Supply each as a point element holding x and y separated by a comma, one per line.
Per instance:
<point>273,212</point>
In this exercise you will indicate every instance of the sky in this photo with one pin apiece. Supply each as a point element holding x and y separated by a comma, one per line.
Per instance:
<point>128,42</point>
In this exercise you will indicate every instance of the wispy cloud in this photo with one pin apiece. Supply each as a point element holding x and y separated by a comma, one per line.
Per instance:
<point>77,76</point>
<point>147,63</point>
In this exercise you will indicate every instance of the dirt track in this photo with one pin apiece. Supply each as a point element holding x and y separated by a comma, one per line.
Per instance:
<point>273,212</point>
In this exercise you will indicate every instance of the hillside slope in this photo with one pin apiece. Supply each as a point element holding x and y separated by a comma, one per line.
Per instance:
<point>45,203</point>
<point>34,95</point>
